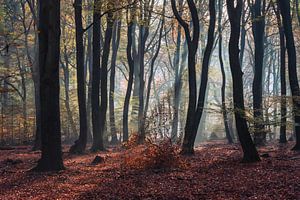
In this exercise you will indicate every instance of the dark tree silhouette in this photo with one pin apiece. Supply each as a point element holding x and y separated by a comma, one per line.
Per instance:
<point>130,28</point>
<point>258,29</point>
<point>80,144</point>
<point>49,51</point>
<point>234,13</point>
<point>192,42</point>
<point>115,46</point>
<point>285,11</point>
<point>104,64</point>
<point>283,103</point>
<point>97,137</point>
<point>224,109</point>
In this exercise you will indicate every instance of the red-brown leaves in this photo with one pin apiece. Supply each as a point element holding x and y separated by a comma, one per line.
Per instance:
<point>151,156</point>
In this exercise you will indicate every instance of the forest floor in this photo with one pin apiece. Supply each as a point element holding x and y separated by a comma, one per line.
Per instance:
<point>214,172</point>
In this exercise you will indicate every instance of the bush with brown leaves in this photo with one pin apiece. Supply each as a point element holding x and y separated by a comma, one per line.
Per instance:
<point>132,141</point>
<point>153,156</point>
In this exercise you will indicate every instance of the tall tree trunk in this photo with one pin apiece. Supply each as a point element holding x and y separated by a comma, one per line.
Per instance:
<point>192,42</point>
<point>283,103</point>
<point>152,72</point>
<point>224,109</point>
<point>243,35</point>
<point>130,61</point>
<point>89,57</point>
<point>80,144</point>
<point>234,13</point>
<point>204,74</point>
<point>97,137</point>
<point>115,47</point>
<point>292,65</point>
<point>49,40</point>
<point>298,10</point>
<point>104,63</point>
<point>258,28</point>
<point>146,13</point>
<point>65,67</point>
<point>177,81</point>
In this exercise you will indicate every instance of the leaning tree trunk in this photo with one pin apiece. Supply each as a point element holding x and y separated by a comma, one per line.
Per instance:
<point>292,65</point>
<point>234,13</point>
<point>80,144</point>
<point>49,50</point>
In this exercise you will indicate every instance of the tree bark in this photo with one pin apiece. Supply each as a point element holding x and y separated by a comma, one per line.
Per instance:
<point>292,65</point>
<point>224,109</point>
<point>80,144</point>
<point>177,82</point>
<point>192,42</point>
<point>49,41</point>
<point>97,137</point>
<point>115,47</point>
<point>104,63</point>
<point>130,79</point>
<point>283,103</point>
<point>234,13</point>
<point>258,28</point>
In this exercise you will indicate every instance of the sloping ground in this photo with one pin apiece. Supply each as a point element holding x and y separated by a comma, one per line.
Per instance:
<point>215,172</point>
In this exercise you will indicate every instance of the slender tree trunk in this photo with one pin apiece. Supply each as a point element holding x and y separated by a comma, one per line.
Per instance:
<point>49,40</point>
<point>97,136</point>
<point>298,10</point>
<point>283,103</point>
<point>89,57</point>
<point>80,144</point>
<point>65,67</point>
<point>104,63</point>
<point>292,65</point>
<point>192,41</point>
<point>161,28</point>
<point>243,35</point>
<point>115,46</point>
<point>130,79</point>
<point>234,13</point>
<point>224,109</point>
<point>146,13</point>
<point>177,81</point>
<point>258,29</point>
